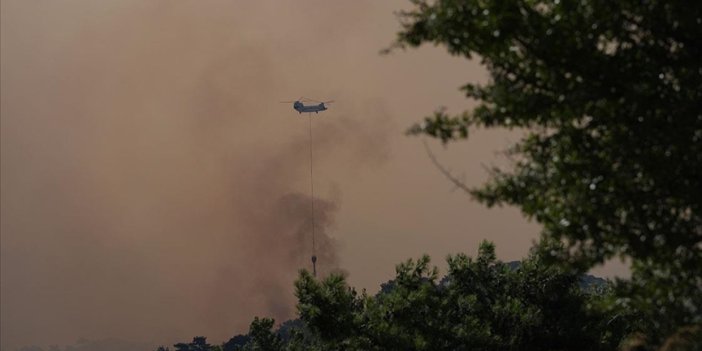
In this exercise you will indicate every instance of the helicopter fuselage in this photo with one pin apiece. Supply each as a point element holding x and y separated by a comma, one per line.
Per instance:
<point>300,107</point>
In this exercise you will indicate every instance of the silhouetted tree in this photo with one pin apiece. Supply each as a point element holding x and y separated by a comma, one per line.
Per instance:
<point>609,94</point>
<point>199,343</point>
<point>262,337</point>
<point>236,343</point>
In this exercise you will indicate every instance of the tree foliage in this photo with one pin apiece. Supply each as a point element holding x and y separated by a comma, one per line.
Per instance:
<point>199,343</point>
<point>481,304</point>
<point>609,94</point>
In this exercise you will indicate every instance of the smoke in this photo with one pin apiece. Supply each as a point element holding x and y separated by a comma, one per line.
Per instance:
<point>152,187</point>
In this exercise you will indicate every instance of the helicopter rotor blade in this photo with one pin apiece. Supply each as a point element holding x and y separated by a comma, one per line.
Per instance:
<point>308,99</point>
<point>317,101</point>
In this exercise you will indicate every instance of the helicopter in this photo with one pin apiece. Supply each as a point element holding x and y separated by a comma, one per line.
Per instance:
<point>300,107</point>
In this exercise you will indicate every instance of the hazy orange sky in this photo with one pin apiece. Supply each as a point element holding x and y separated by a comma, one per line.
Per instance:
<point>154,188</point>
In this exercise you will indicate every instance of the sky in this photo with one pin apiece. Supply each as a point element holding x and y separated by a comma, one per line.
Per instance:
<point>154,187</point>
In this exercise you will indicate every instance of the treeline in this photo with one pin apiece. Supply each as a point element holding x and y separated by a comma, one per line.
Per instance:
<point>481,304</point>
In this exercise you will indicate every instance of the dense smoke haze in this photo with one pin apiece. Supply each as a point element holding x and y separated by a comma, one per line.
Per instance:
<point>154,188</point>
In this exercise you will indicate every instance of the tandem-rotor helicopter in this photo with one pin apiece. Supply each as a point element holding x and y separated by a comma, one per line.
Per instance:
<point>300,106</point>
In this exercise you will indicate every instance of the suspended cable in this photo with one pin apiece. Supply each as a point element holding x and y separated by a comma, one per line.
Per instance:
<point>314,253</point>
